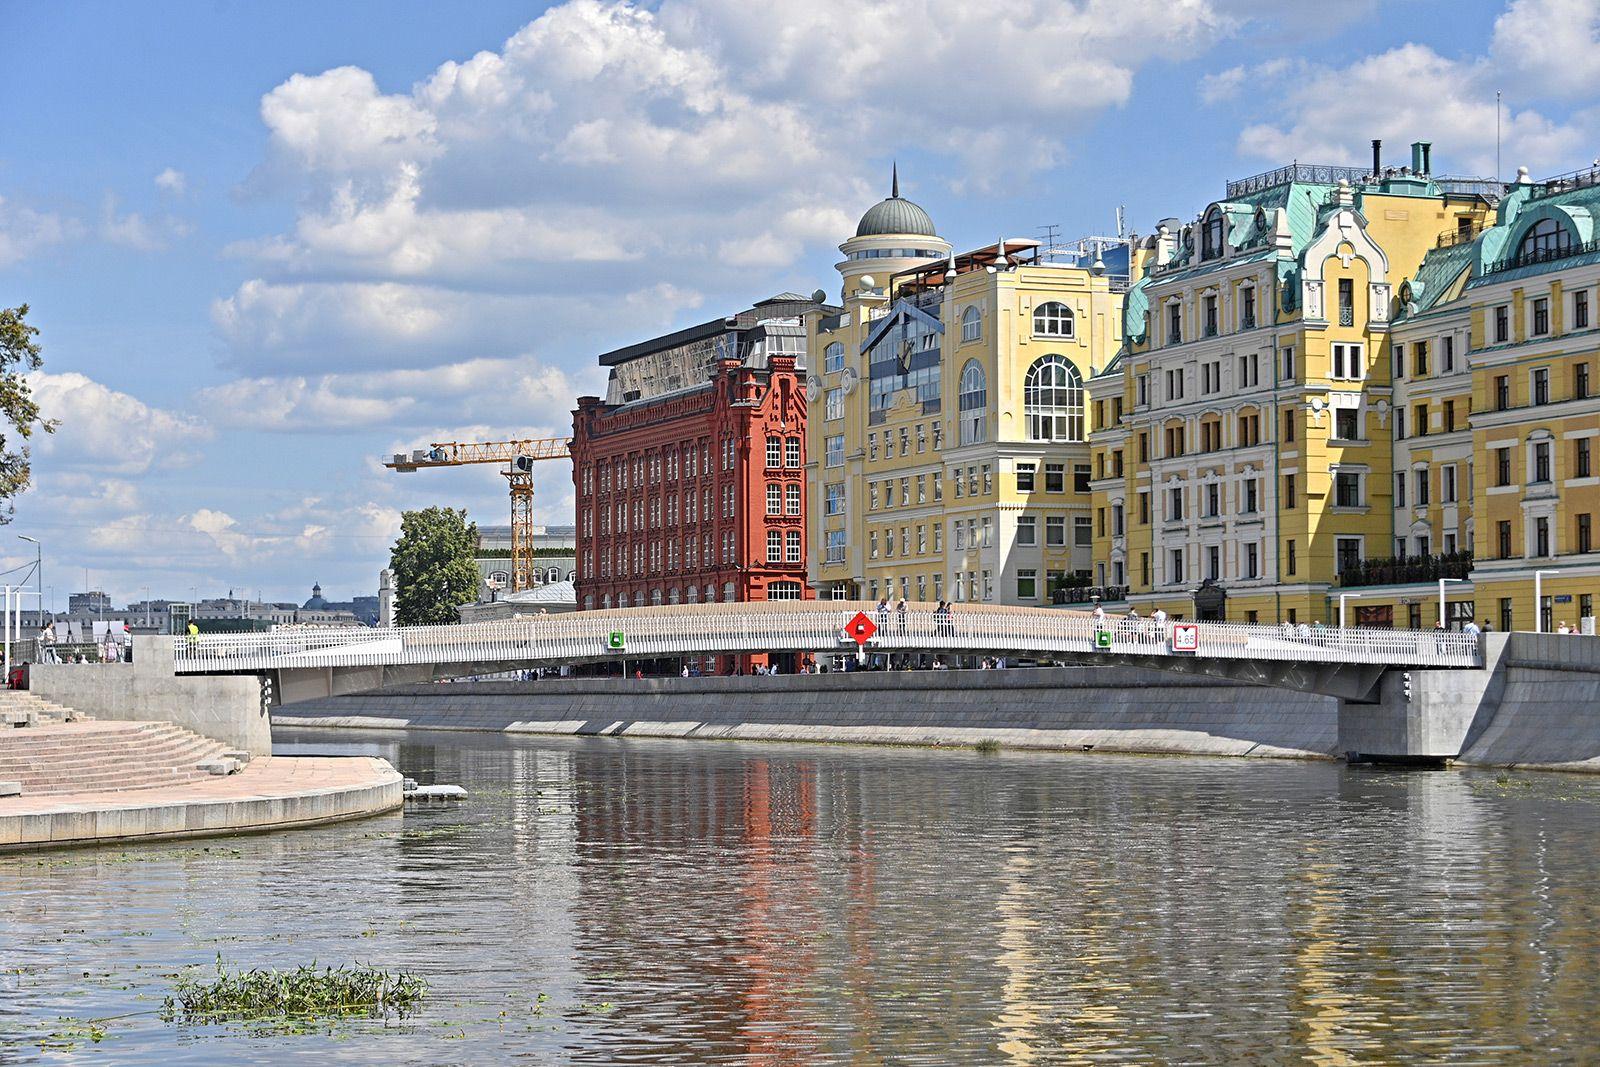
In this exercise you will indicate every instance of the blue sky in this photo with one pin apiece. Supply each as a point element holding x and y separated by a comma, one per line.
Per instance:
<point>269,243</point>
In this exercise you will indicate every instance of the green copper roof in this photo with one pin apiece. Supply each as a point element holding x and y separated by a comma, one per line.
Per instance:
<point>1135,303</point>
<point>1436,276</point>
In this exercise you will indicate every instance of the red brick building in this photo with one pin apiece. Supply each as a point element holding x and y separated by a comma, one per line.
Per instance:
<point>690,475</point>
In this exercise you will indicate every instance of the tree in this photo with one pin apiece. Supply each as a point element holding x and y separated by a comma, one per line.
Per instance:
<point>19,353</point>
<point>433,564</point>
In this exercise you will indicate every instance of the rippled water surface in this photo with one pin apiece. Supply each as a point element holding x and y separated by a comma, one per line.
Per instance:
<point>599,901</point>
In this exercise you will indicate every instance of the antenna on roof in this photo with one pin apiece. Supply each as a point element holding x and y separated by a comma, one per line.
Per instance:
<point>894,187</point>
<point>1122,217</point>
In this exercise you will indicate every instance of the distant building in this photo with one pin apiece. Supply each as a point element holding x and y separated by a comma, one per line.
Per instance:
<point>90,603</point>
<point>319,611</point>
<point>554,558</point>
<point>549,599</point>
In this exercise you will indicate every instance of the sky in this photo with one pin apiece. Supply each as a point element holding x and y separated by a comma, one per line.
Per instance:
<point>269,244</point>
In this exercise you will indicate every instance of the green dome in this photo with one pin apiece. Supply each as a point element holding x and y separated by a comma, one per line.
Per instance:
<point>895,215</point>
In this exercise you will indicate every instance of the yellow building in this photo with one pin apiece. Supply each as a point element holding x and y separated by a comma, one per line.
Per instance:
<point>947,424</point>
<point>1258,406</point>
<point>1496,353</point>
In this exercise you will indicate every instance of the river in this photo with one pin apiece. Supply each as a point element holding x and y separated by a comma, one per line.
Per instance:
<point>600,901</point>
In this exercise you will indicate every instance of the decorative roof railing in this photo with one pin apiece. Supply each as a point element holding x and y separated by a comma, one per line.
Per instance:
<point>1470,186</point>
<point>1582,178</point>
<point>1542,255</point>
<point>1311,173</point>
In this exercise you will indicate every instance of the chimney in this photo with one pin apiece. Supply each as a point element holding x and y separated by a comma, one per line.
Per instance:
<point>1420,151</point>
<point>1377,158</point>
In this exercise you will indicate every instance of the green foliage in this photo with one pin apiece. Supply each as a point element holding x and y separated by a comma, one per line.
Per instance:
<point>19,353</point>
<point>434,569</point>
<point>303,993</point>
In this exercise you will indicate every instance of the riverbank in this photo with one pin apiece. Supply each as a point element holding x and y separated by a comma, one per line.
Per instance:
<point>268,793</point>
<point>1106,709</point>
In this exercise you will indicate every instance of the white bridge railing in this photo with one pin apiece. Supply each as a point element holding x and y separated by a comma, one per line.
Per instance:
<point>813,626</point>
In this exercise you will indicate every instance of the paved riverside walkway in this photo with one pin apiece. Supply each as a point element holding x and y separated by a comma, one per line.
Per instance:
<point>268,793</point>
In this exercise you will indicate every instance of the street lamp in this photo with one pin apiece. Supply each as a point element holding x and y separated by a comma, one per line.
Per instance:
<point>1342,598</point>
<point>1441,597</point>
<point>1538,600</point>
<point>38,568</point>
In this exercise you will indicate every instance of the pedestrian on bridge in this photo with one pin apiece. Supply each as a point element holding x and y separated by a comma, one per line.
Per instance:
<point>1159,617</point>
<point>883,613</point>
<point>1471,629</point>
<point>900,611</point>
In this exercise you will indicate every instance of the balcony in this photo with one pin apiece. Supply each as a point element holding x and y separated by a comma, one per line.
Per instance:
<point>1543,255</point>
<point>1406,570</point>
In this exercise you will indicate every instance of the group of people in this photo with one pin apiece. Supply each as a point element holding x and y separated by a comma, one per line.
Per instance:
<point>943,617</point>
<point>111,648</point>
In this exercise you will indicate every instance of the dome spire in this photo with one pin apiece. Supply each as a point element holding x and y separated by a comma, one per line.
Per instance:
<point>894,187</point>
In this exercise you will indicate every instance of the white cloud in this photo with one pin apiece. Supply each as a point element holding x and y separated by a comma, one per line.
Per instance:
<point>1550,46</point>
<point>135,231</point>
<point>24,231</point>
<point>172,181</point>
<point>345,403</point>
<point>1404,94</point>
<point>109,431</point>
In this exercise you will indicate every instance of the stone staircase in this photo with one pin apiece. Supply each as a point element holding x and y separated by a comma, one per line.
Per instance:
<point>77,756</point>
<point>18,707</point>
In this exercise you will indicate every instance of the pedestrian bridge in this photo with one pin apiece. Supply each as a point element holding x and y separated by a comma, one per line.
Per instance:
<point>311,663</point>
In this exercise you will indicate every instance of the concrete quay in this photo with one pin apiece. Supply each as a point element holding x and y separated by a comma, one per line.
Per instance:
<point>268,793</point>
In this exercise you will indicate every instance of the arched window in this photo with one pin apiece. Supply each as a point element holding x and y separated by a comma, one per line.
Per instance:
<point>1052,400</point>
<point>1053,319</point>
<point>553,574</point>
<point>605,601</point>
<point>971,324</point>
<point>1547,239</point>
<point>1211,236</point>
<point>833,358</point>
<point>711,594</point>
<point>973,403</point>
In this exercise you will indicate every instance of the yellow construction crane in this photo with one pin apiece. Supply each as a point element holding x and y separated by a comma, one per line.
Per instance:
<point>519,458</point>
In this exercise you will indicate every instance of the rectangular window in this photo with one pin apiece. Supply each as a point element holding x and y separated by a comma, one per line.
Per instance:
<point>1580,457</point>
<point>833,499</point>
<point>1399,361</point>
<point>1213,562</point>
<point>1055,477</point>
<point>1347,302</point>
<point>1541,385</point>
<point>1541,461</point>
<point>1580,381</point>
<point>1420,357</point>
<point>1422,483</point>
<point>1541,536</point>
<point>1420,427</point>
<point>774,498</point>
<point>833,451</point>
<point>1247,315</point>
<point>774,546</point>
<point>1502,324</point>
<point>1347,553</point>
<point>1541,316</point>
<point>1286,364</point>
<point>1502,466</point>
<point>1055,531</point>
<point>1288,425</point>
<point>1506,615</point>
<point>1144,509</point>
<point>1449,348</point>
<point>1027,530</point>
<point>1400,424</point>
<point>1502,392</point>
<point>1399,489</point>
<point>1348,362</point>
<point>1175,504</point>
<point>1213,500</point>
<point>1288,491</point>
<point>774,453</point>
<point>1289,559</point>
<point>1346,424</point>
<point>1503,539</point>
<point>1176,574</point>
<point>1144,568</point>
<point>1080,477</point>
<point>1449,416</point>
<point>1347,490</point>
<point>1210,307</point>
<point>1252,561</point>
<point>1580,310</point>
<point>791,499</point>
<point>1251,496</point>
<point>1027,584</point>
<point>1447,483</point>
<point>1585,534</point>
<point>1082,531</point>
<point>1174,323</point>
<point>835,404</point>
<point>791,550</point>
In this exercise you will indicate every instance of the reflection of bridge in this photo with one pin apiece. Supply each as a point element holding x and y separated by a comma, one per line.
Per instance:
<point>1347,663</point>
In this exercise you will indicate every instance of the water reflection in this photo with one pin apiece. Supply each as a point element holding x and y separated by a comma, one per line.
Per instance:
<point>601,901</point>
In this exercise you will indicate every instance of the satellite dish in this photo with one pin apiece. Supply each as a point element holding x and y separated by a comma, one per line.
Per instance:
<point>819,297</point>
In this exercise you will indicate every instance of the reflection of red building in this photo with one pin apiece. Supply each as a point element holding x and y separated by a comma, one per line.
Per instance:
<point>690,474</point>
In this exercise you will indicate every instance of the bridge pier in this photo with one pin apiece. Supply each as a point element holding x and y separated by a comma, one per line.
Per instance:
<point>1425,717</point>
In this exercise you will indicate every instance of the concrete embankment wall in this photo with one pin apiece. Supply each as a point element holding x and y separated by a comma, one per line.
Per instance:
<point>1102,708</point>
<point>1546,706</point>
<point>225,708</point>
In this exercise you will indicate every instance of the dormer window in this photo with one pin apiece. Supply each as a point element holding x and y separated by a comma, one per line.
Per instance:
<point>1211,243</point>
<point>1547,239</point>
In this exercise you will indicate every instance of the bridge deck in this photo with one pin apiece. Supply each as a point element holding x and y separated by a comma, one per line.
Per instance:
<point>810,626</point>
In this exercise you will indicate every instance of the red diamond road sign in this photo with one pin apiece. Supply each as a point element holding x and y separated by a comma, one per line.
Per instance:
<point>861,628</point>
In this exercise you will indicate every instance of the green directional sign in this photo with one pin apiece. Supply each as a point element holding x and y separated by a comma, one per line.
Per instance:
<point>615,641</point>
<point>1102,639</point>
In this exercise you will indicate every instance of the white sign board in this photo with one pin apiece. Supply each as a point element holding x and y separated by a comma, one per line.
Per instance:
<point>1185,637</point>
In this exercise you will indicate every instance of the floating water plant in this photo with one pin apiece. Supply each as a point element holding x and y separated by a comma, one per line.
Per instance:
<point>988,746</point>
<point>303,993</point>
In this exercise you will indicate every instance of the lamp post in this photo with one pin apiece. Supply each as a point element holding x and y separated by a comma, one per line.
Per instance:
<point>1342,598</point>
<point>38,568</point>
<point>1442,621</point>
<point>1538,600</point>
